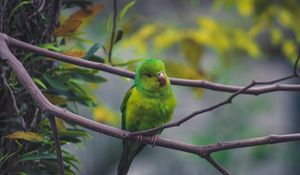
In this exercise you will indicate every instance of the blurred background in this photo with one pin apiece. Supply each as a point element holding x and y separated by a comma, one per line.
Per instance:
<point>228,42</point>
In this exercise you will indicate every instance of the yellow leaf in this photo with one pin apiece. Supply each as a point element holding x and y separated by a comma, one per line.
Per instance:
<point>76,19</point>
<point>77,54</point>
<point>285,17</point>
<point>104,115</point>
<point>276,36</point>
<point>60,124</point>
<point>139,39</point>
<point>245,7</point>
<point>167,38</point>
<point>192,51</point>
<point>183,71</point>
<point>93,86</point>
<point>57,100</point>
<point>29,136</point>
<point>289,49</point>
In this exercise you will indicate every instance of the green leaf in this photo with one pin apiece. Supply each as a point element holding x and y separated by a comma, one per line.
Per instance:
<point>17,7</point>
<point>96,58</point>
<point>119,36</point>
<point>38,157</point>
<point>125,10</point>
<point>74,133</point>
<point>4,158</point>
<point>50,46</point>
<point>39,82</point>
<point>92,51</point>
<point>89,77</point>
<point>54,83</point>
<point>22,173</point>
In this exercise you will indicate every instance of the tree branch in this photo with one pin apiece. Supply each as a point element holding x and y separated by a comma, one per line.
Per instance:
<point>60,162</point>
<point>125,73</point>
<point>203,151</point>
<point>11,93</point>
<point>214,163</point>
<point>294,74</point>
<point>113,31</point>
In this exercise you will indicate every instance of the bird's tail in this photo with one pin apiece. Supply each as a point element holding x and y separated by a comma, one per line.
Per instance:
<point>130,150</point>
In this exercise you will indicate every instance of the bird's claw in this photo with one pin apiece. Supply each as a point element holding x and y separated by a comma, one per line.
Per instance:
<point>153,140</point>
<point>139,138</point>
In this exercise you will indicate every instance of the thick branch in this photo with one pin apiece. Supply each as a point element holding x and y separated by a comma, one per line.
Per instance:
<point>176,81</point>
<point>203,151</point>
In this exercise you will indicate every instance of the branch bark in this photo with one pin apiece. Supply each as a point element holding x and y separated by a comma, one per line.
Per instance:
<point>125,73</point>
<point>203,151</point>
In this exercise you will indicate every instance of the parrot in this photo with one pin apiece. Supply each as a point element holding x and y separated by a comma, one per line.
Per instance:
<point>149,103</point>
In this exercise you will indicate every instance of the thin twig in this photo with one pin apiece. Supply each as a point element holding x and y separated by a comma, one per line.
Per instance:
<point>226,101</point>
<point>214,163</point>
<point>125,73</point>
<point>113,31</point>
<point>11,93</point>
<point>60,162</point>
<point>46,106</point>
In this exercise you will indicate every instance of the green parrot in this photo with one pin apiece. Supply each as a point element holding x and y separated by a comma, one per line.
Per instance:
<point>149,103</point>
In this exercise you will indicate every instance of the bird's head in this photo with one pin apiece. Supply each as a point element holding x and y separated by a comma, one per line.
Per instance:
<point>151,75</point>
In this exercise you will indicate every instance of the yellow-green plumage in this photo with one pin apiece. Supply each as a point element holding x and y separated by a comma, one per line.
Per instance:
<point>148,104</point>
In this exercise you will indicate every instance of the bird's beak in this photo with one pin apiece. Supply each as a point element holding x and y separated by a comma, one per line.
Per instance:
<point>162,79</point>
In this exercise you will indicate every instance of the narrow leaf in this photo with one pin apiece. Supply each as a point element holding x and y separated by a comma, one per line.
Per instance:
<point>29,136</point>
<point>39,82</point>
<point>92,51</point>
<point>125,9</point>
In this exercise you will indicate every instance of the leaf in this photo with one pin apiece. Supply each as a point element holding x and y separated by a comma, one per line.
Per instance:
<point>183,71</point>
<point>74,133</point>
<point>125,10</point>
<point>50,46</point>
<point>89,11</point>
<point>55,99</point>
<point>60,125</point>
<point>6,157</point>
<point>39,82</point>
<point>17,7</point>
<point>69,26</point>
<point>76,19</point>
<point>192,51</point>
<point>37,156</point>
<point>92,51</point>
<point>245,7</point>
<point>54,83</point>
<point>29,136</point>
<point>118,36</point>
<point>105,115</point>
<point>77,54</point>
<point>93,78</point>
<point>84,74</point>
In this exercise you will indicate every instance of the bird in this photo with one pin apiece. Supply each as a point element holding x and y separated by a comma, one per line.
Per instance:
<point>149,103</point>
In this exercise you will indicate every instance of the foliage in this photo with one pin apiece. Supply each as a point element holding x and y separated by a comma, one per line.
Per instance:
<point>27,146</point>
<point>228,37</point>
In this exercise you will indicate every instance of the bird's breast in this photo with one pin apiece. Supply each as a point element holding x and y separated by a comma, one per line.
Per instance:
<point>144,112</point>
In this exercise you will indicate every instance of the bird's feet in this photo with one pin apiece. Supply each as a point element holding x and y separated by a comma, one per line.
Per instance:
<point>139,138</point>
<point>153,140</point>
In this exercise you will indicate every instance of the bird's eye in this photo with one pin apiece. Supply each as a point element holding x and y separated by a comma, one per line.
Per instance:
<point>149,75</point>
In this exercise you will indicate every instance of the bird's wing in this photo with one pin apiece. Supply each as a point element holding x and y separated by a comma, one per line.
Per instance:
<point>123,106</point>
